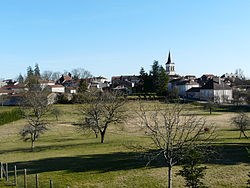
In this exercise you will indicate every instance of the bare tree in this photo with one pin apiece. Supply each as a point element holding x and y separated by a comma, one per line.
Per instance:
<point>80,73</point>
<point>55,76</point>
<point>34,106</point>
<point>242,122</point>
<point>102,110</point>
<point>212,103</point>
<point>46,75</point>
<point>173,132</point>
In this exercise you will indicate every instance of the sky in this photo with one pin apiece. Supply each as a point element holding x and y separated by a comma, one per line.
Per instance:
<point>118,37</point>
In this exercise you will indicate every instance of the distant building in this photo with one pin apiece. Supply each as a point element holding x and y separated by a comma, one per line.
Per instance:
<point>44,83</point>
<point>215,89</point>
<point>56,88</point>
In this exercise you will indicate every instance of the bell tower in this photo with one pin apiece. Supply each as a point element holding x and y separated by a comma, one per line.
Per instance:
<point>170,66</point>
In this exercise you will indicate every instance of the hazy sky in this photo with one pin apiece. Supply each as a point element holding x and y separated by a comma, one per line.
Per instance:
<point>117,37</point>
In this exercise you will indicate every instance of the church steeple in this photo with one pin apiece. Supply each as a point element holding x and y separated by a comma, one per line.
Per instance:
<point>170,66</point>
<point>169,58</point>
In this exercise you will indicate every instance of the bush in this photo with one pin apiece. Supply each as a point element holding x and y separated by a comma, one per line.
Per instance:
<point>10,116</point>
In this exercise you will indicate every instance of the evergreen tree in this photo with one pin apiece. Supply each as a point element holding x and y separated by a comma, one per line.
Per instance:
<point>30,71</point>
<point>37,71</point>
<point>20,78</point>
<point>155,73</point>
<point>31,79</point>
<point>192,172</point>
<point>82,86</point>
<point>162,82</point>
<point>156,81</point>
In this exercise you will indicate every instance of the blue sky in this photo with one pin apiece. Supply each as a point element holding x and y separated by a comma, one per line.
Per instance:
<point>117,37</point>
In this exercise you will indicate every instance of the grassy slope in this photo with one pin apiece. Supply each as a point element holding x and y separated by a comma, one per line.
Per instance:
<point>70,158</point>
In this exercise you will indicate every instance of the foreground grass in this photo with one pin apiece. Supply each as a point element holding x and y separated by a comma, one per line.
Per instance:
<point>70,158</point>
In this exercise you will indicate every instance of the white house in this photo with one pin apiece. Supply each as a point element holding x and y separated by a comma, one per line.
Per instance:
<point>185,85</point>
<point>56,88</point>
<point>214,89</point>
<point>44,83</point>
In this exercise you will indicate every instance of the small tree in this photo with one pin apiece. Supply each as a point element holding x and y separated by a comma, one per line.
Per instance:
<point>100,111</point>
<point>172,132</point>
<point>212,103</point>
<point>34,106</point>
<point>56,112</point>
<point>192,171</point>
<point>242,122</point>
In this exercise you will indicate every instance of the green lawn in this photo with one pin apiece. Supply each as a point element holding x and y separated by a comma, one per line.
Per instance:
<point>70,158</point>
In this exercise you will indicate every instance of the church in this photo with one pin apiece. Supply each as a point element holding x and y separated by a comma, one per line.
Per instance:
<point>192,88</point>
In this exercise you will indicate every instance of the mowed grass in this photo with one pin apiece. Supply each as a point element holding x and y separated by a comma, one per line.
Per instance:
<point>72,159</point>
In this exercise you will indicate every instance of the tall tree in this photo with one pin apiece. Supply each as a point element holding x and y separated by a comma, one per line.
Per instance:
<point>37,71</point>
<point>163,82</point>
<point>173,133</point>
<point>20,78</point>
<point>146,81</point>
<point>30,71</point>
<point>31,79</point>
<point>156,81</point>
<point>35,106</point>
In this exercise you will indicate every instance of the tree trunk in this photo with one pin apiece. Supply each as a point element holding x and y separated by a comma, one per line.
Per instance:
<point>103,134</point>
<point>210,110</point>
<point>102,137</point>
<point>169,176</point>
<point>243,132</point>
<point>32,145</point>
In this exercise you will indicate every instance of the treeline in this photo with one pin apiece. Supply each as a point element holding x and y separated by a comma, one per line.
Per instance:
<point>10,116</point>
<point>34,74</point>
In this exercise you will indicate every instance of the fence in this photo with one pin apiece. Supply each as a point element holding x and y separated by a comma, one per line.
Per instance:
<point>4,175</point>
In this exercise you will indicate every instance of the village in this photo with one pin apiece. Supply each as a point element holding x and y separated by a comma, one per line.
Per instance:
<point>208,87</point>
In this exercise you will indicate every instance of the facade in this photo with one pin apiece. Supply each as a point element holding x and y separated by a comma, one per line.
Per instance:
<point>44,83</point>
<point>185,85</point>
<point>56,88</point>
<point>214,90</point>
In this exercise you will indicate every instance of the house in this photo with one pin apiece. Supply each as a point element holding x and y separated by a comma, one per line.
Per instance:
<point>17,87</point>
<point>204,79</point>
<point>99,79</point>
<point>193,93</point>
<point>215,89</point>
<point>98,85</point>
<point>185,85</point>
<point>56,88</point>
<point>71,90</point>
<point>65,80</point>
<point>44,83</point>
<point>131,78</point>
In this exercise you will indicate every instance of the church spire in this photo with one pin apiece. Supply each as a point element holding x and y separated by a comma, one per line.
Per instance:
<point>169,58</point>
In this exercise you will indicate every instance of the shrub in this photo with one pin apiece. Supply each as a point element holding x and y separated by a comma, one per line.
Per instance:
<point>10,116</point>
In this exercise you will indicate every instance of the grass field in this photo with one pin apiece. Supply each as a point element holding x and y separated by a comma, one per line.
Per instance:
<point>76,160</point>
